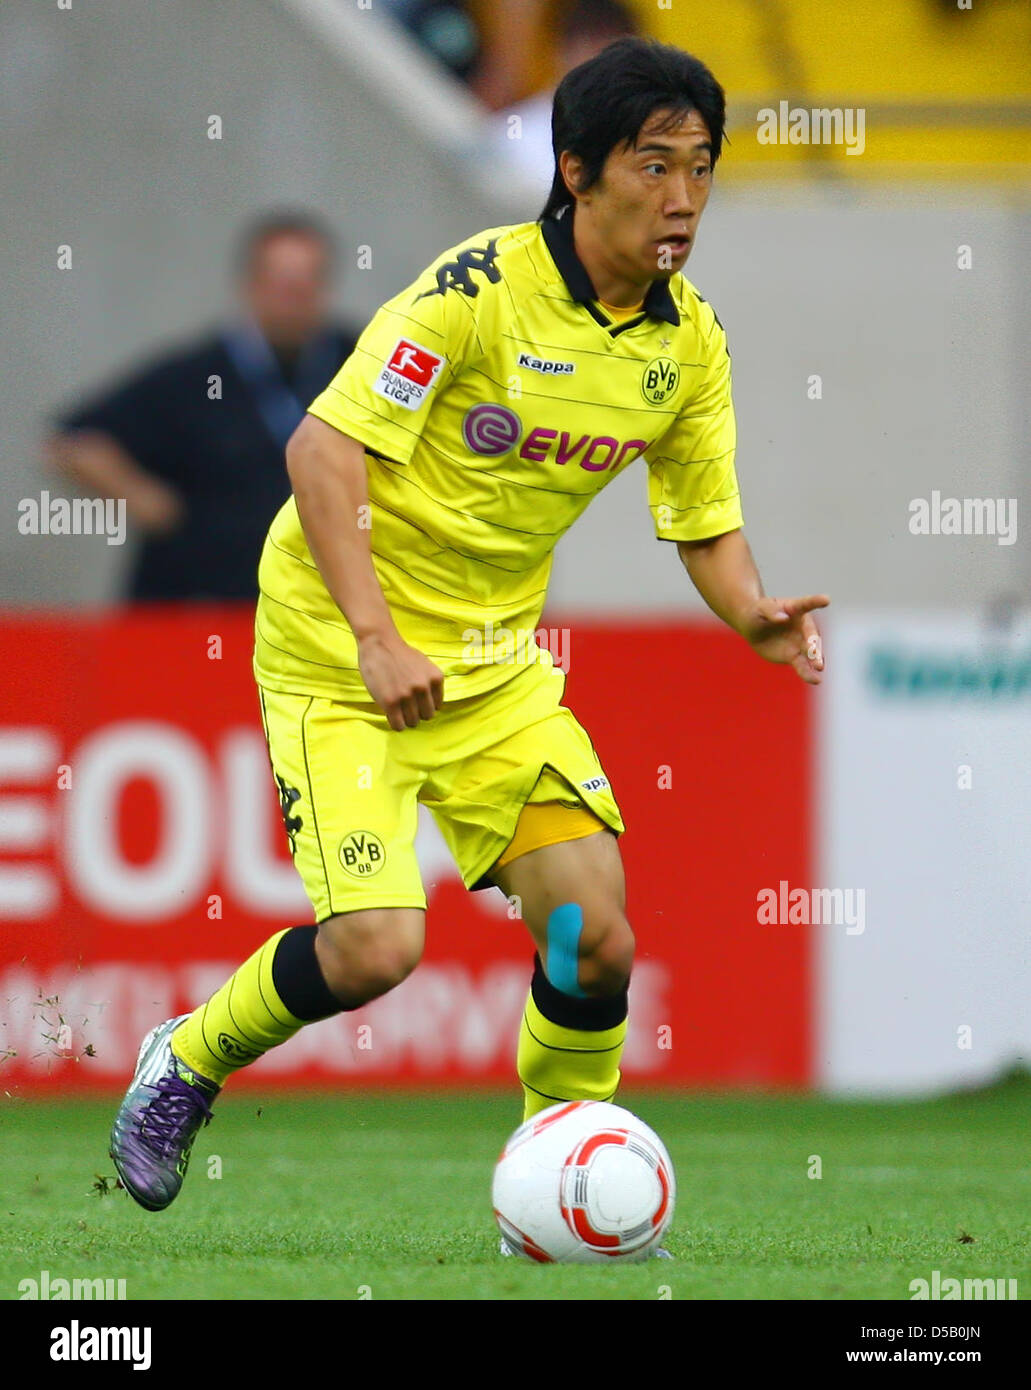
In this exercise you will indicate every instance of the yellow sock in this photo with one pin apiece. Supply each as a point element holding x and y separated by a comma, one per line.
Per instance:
<point>239,1023</point>
<point>556,1063</point>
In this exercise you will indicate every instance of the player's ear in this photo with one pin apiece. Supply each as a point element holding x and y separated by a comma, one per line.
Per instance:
<point>571,167</point>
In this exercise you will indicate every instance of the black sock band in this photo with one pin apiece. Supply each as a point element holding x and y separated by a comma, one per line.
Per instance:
<point>586,1015</point>
<point>298,977</point>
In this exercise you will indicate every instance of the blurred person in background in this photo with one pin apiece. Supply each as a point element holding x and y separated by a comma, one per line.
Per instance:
<point>444,28</point>
<point>586,28</point>
<point>194,442</point>
<point>581,29</point>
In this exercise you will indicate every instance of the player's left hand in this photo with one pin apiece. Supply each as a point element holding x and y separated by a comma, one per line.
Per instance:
<point>784,630</point>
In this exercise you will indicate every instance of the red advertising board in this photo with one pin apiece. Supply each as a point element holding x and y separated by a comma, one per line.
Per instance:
<point>142,856</point>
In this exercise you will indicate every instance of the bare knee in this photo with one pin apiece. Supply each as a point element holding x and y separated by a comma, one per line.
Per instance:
<point>365,954</point>
<point>607,957</point>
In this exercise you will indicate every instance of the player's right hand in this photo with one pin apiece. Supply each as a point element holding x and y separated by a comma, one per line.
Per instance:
<point>405,684</point>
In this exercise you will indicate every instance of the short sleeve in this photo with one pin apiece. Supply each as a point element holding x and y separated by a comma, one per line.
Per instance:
<point>411,350</point>
<point>692,483</point>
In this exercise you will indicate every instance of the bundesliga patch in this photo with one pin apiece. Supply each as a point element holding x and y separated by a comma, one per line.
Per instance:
<point>409,375</point>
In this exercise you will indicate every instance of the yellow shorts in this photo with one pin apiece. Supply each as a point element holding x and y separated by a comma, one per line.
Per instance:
<point>349,785</point>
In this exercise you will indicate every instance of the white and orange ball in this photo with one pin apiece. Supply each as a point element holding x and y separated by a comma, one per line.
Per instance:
<point>584,1182</point>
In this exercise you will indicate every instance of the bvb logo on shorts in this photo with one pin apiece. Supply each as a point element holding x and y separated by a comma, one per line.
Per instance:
<point>362,854</point>
<point>660,380</point>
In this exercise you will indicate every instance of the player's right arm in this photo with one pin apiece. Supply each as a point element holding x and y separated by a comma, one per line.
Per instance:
<point>330,485</point>
<point>408,353</point>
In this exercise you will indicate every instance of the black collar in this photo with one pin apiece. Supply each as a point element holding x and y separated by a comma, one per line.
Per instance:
<point>558,237</point>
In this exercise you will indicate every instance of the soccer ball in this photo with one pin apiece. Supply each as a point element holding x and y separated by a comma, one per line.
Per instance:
<point>584,1182</point>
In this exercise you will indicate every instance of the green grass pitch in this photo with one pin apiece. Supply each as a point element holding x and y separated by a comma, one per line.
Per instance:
<point>388,1196</point>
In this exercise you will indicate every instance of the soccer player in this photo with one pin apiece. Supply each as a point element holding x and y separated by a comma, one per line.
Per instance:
<point>482,409</point>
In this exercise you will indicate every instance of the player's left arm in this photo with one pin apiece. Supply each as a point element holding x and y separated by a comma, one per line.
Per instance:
<point>695,501</point>
<point>724,572</point>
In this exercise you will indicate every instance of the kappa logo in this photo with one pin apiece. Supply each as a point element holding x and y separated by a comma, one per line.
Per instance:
<point>595,784</point>
<point>544,366</point>
<point>455,275</point>
<point>362,854</point>
<point>660,380</point>
<point>410,374</point>
<point>291,824</point>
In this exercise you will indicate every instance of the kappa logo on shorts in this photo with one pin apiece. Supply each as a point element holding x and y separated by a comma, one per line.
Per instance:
<point>291,824</point>
<point>595,784</point>
<point>362,854</point>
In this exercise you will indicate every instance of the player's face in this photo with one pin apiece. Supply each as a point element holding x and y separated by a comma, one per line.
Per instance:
<point>287,288</point>
<point>645,209</point>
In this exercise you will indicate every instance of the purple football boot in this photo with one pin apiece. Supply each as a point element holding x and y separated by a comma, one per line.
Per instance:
<point>158,1120</point>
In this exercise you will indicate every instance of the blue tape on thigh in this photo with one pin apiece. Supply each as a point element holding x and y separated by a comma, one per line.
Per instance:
<point>564,927</point>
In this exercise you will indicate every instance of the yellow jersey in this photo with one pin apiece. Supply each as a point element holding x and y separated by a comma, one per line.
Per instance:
<point>495,398</point>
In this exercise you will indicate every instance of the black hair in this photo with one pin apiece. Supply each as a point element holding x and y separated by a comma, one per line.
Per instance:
<point>607,100</point>
<point>281,222</point>
<point>598,17</point>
